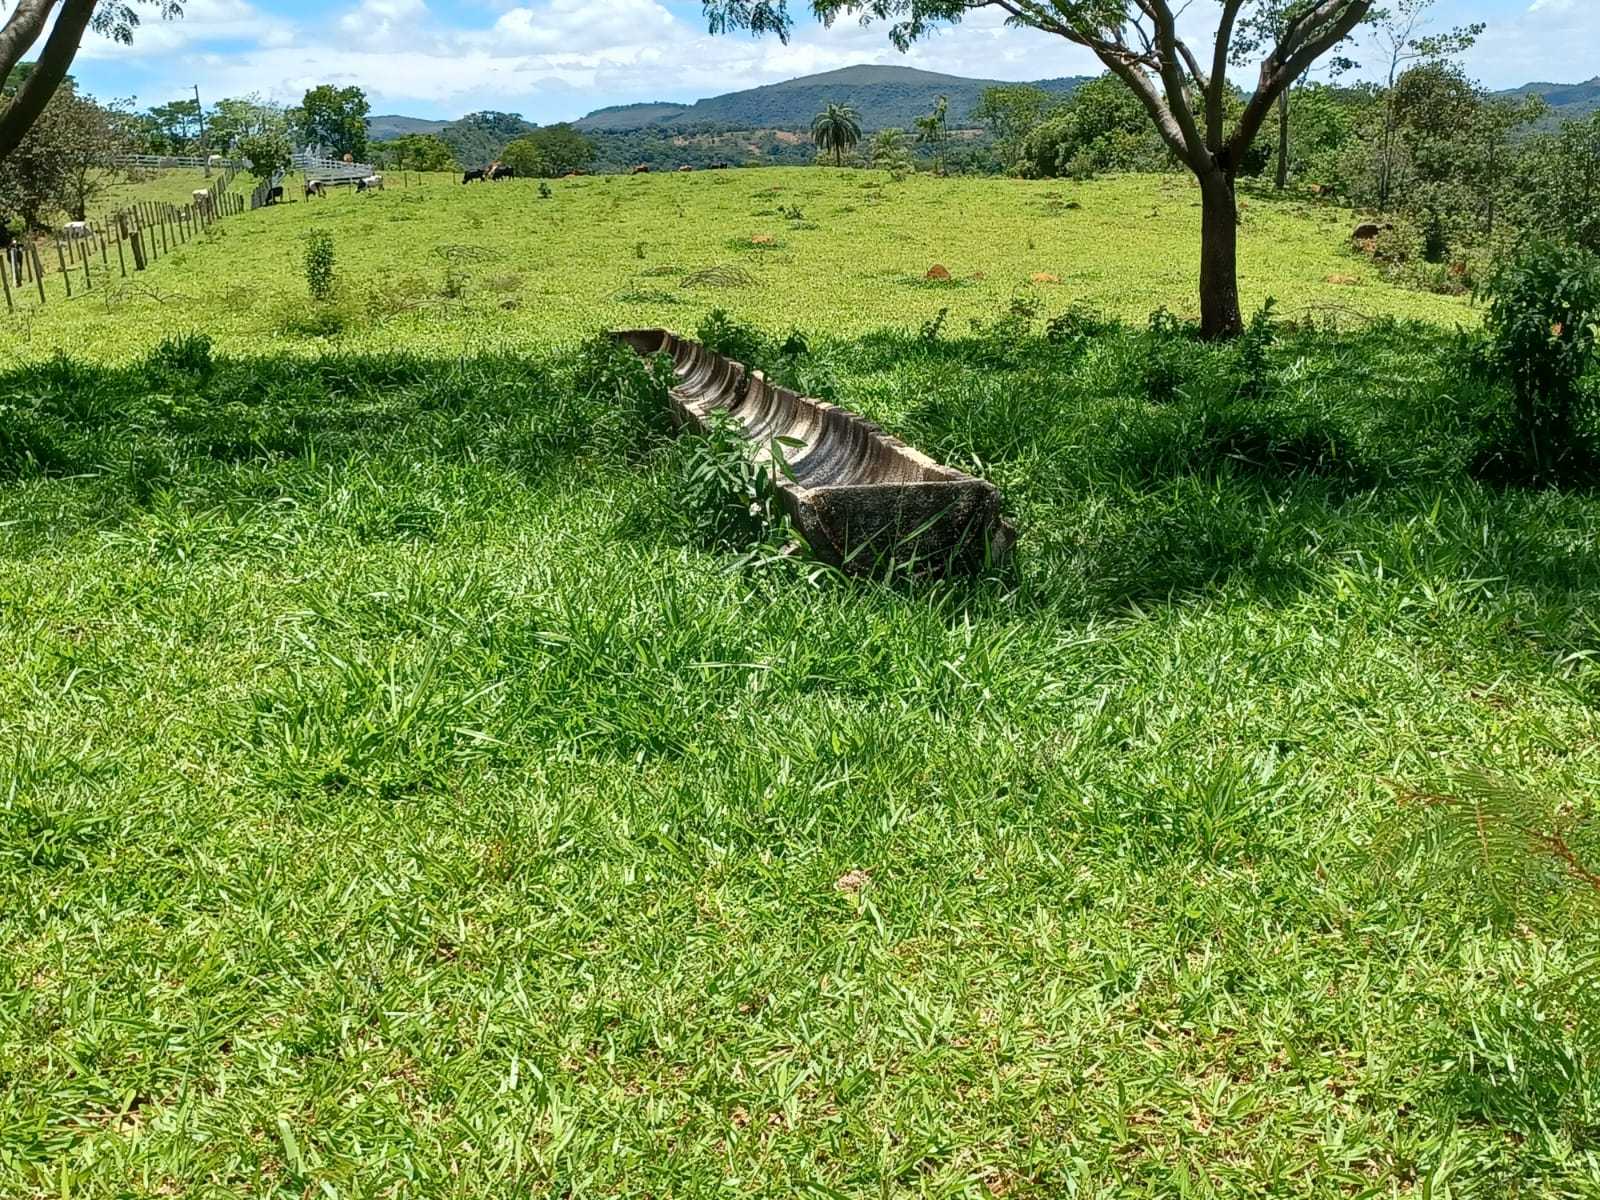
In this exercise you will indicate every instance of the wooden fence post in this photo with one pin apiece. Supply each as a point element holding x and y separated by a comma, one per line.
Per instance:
<point>122,262</point>
<point>5,276</point>
<point>87,285</point>
<point>38,270</point>
<point>65,277</point>
<point>128,223</point>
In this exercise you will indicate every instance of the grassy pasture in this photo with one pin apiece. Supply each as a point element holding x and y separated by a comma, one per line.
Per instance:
<point>399,798</point>
<point>437,266</point>
<point>169,185</point>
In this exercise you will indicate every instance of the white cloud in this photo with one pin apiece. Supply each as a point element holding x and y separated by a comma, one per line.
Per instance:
<point>204,22</point>
<point>377,23</point>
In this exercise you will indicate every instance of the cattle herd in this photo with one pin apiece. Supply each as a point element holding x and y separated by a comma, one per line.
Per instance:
<point>317,189</point>
<point>493,172</point>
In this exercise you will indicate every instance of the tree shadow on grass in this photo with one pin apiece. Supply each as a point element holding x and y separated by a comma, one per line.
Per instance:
<point>1141,465</point>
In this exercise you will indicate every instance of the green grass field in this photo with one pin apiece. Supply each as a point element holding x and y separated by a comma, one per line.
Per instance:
<point>438,266</point>
<point>400,798</point>
<point>173,185</point>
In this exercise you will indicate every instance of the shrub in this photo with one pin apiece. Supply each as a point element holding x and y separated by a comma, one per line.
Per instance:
<point>319,265</point>
<point>1544,308</point>
<point>1251,352</point>
<point>722,334</point>
<point>730,498</point>
<point>180,363</point>
<point>1166,358</point>
<point>629,394</point>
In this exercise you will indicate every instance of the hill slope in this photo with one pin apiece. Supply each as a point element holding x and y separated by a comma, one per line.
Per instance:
<point>1567,101</point>
<point>386,128</point>
<point>884,96</point>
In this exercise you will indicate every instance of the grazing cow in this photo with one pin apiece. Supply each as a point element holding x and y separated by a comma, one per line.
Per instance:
<point>202,199</point>
<point>642,169</point>
<point>372,183</point>
<point>685,167</point>
<point>214,160</point>
<point>504,173</point>
<point>475,176</point>
<point>77,229</point>
<point>314,187</point>
<point>274,195</point>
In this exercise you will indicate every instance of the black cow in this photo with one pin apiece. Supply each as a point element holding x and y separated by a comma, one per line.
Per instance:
<point>477,176</point>
<point>504,173</point>
<point>274,195</point>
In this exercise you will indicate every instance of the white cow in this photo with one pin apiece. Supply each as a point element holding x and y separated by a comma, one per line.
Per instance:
<point>77,229</point>
<point>202,198</point>
<point>214,161</point>
<point>372,183</point>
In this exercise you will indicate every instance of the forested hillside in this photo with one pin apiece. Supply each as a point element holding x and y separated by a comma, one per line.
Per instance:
<point>1567,101</point>
<point>884,96</point>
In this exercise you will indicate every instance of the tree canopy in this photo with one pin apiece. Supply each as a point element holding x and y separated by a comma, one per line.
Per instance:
<point>419,152</point>
<point>836,131</point>
<point>335,119</point>
<point>552,151</point>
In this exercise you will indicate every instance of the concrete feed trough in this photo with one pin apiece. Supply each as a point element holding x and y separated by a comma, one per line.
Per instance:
<point>859,497</point>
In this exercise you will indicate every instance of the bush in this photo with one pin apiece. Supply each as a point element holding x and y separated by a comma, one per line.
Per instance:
<point>728,496</point>
<point>319,265</point>
<point>1544,309</point>
<point>268,154</point>
<point>180,363</point>
<point>722,334</point>
<point>628,394</point>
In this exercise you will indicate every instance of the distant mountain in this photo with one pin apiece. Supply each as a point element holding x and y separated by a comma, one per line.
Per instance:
<point>1567,101</point>
<point>884,96</point>
<point>386,128</point>
<point>629,116</point>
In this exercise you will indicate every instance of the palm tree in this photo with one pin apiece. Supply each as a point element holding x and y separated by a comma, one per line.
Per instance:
<point>934,130</point>
<point>836,131</point>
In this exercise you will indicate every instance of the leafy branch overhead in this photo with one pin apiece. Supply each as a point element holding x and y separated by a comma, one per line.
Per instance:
<point>73,19</point>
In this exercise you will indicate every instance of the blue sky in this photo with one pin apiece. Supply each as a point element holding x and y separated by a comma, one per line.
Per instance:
<point>558,59</point>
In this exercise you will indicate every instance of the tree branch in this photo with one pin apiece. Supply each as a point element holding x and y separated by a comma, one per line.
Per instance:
<point>48,72</point>
<point>21,32</point>
<point>1307,40</point>
<point>1216,93</point>
<point>1172,79</point>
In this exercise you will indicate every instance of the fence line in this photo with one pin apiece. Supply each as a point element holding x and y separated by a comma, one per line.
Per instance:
<point>330,169</point>
<point>144,231</point>
<point>177,160</point>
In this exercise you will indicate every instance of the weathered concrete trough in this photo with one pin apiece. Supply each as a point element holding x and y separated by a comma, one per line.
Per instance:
<point>860,498</point>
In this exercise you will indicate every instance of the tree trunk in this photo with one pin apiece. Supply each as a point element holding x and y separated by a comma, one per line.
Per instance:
<point>1219,257</point>
<point>1283,140</point>
<point>48,72</point>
